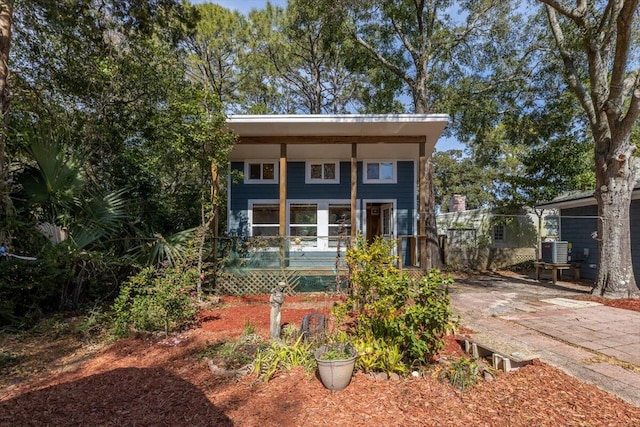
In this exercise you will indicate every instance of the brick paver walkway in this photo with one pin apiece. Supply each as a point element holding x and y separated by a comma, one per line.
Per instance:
<point>594,343</point>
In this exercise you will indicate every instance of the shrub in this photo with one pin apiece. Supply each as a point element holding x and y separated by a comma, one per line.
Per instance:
<point>378,355</point>
<point>234,354</point>
<point>155,301</point>
<point>284,354</point>
<point>401,320</point>
<point>461,373</point>
<point>62,277</point>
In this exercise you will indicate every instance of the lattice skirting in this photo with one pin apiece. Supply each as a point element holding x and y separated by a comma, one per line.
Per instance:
<point>257,282</point>
<point>264,281</point>
<point>414,273</point>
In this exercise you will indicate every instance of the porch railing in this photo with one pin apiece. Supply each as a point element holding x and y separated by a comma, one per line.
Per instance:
<point>325,253</point>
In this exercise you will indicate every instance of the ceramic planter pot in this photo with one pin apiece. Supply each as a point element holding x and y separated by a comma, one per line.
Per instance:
<point>336,374</point>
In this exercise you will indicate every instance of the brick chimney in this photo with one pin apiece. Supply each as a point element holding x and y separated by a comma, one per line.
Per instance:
<point>458,203</point>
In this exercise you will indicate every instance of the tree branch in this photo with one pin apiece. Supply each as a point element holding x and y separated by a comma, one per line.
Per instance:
<point>405,41</point>
<point>624,21</point>
<point>384,61</point>
<point>576,14</point>
<point>573,80</point>
<point>634,106</point>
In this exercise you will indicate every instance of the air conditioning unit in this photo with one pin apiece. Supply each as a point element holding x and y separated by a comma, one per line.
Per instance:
<point>555,252</point>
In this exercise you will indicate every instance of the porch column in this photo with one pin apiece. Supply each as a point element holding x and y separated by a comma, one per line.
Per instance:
<point>422,202</point>
<point>283,190</point>
<point>354,191</point>
<point>282,231</point>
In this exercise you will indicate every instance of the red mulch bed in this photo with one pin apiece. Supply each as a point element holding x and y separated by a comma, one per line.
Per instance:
<point>627,304</point>
<point>162,382</point>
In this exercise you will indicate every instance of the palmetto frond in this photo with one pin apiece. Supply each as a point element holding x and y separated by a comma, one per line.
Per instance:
<point>161,250</point>
<point>55,182</point>
<point>99,216</point>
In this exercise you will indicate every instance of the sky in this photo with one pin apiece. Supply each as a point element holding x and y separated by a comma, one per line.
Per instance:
<point>244,6</point>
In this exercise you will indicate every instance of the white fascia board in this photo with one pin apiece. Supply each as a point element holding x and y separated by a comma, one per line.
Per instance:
<point>430,125</point>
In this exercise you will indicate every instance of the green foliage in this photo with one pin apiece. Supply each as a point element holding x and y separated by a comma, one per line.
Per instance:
<point>459,174</point>
<point>249,328</point>
<point>61,277</point>
<point>155,300</point>
<point>461,373</point>
<point>335,352</point>
<point>234,354</point>
<point>378,355</point>
<point>398,321</point>
<point>94,325</point>
<point>112,110</point>
<point>283,355</point>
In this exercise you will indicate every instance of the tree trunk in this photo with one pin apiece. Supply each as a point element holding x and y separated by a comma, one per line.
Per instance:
<point>434,254</point>
<point>615,182</point>
<point>5,45</point>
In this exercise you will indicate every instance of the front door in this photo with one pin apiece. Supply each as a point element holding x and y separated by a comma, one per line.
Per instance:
<point>380,221</point>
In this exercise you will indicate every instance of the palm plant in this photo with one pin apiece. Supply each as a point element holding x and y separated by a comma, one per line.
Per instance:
<point>157,249</point>
<point>56,188</point>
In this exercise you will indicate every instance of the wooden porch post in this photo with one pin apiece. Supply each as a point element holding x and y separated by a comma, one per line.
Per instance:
<point>215,190</point>
<point>422,201</point>
<point>282,232</point>
<point>283,190</point>
<point>354,191</point>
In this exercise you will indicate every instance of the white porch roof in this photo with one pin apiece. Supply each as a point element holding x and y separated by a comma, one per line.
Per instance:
<point>314,131</point>
<point>365,125</point>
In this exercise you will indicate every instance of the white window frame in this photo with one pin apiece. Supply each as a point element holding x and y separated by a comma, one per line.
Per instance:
<point>329,225</point>
<point>306,242</point>
<point>322,222</point>
<point>253,202</point>
<point>504,233</point>
<point>307,175</point>
<point>394,177</point>
<point>276,171</point>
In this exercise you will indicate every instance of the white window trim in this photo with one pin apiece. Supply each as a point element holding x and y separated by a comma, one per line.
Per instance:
<point>322,222</point>
<point>504,233</point>
<point>393,180</point>
<point>307,174</point>
<point>252,202</point>
<point>276,171</point>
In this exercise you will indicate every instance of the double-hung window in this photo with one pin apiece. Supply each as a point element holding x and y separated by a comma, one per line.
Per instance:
<point>339,223</point>
<point>303,223</point>
<point>265,219</point>
<point>261,172</point>
<point>311,224</point>
<point>322,172</point>
<point>380,172</point>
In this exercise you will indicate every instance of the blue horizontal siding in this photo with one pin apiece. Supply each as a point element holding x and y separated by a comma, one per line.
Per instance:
<point>635,238</point>
<point>578,232</point>
<point>403,192</point>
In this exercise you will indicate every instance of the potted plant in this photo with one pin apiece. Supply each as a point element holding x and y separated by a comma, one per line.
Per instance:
<point>335,365</point>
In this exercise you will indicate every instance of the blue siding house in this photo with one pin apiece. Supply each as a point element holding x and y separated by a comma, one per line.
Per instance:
<point>579,226</point>
<point>313,179</point>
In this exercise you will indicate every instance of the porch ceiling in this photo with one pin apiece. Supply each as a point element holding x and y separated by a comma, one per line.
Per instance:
<point>339,128</point>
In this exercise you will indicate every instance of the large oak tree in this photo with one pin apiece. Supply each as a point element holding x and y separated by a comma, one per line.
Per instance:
<point>597,43</point>
<point>426,45</point>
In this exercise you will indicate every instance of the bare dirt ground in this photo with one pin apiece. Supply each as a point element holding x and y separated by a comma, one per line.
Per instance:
<point>158,381</point>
